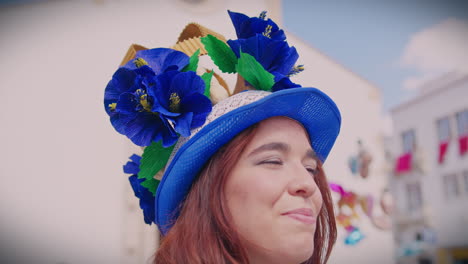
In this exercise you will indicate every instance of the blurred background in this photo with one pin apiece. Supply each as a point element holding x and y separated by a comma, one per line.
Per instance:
<point>398,71</point>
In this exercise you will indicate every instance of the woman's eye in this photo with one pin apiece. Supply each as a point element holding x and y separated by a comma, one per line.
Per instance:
<point>312,171</point>
<point>274,162</point>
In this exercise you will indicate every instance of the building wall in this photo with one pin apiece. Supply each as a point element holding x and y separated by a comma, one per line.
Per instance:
<point>447,216</point>
<point>64,198</point>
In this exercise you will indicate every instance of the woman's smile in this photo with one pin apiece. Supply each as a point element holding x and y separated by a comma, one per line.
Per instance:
<point>304,215</point>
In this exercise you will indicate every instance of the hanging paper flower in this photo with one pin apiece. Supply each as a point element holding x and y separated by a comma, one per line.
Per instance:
<point>145,196</point>
<point>146,105</point>
<point>354,237</point>
<point>266,43</point>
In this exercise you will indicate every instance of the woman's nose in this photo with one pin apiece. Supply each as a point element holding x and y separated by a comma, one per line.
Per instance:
<point>302,183</point>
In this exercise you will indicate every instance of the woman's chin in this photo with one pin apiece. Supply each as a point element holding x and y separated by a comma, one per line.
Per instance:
<point>299,252</point>
<point>304,254</point>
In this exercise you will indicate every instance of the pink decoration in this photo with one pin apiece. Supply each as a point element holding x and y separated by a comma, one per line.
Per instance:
<point>337,188</point>
<point>463,144</point>
<point>403,163</point>
<point>443,145</point>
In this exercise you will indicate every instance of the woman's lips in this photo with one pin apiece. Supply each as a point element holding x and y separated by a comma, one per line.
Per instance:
<point>304,215</point>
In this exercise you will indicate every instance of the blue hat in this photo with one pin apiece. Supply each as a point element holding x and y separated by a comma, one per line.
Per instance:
<point>309,106</point>
<point>163,101</point>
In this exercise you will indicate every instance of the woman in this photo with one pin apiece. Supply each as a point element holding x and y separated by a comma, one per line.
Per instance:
<point>261,198</point>
<point>242,177</point>
<point>250,195</point>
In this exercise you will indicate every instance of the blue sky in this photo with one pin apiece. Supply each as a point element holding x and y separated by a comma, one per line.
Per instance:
<point>369,36</point>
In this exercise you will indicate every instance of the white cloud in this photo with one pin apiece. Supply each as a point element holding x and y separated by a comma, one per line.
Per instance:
<point>415,82</point>
<point>436,50</point>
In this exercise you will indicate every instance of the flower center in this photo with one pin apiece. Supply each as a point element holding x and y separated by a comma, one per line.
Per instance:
<point>139,62</point>
<point>112,106</point>
<point>174,105</point>
<point>262,15</point>
<point>267,31</point>
<point>143,100</point>
<point>295,70</point>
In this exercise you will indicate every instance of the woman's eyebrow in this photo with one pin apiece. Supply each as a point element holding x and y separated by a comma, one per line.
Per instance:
<point>279,146</point>
<point>311,154</point>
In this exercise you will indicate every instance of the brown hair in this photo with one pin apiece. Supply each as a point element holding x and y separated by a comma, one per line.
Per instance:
<point>204,231</point>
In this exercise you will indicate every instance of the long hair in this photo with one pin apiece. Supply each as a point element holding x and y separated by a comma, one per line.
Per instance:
<point>204,231</point>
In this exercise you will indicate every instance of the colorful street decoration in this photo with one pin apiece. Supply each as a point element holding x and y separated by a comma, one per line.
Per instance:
<point>359,163</point>
<point>347,216</point>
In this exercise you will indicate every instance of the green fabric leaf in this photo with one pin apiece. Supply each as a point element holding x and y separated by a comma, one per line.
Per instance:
<point>220,53</point>
<point>193,64</point>
<point>151,185</point>
<point>207,78</point>
<point>154,159</point>
<point>253,72</point>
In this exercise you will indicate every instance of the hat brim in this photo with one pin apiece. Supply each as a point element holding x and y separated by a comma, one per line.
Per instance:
<point>309,106</point>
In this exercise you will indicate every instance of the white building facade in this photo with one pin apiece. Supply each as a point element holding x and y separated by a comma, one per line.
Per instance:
<point>429,180</point>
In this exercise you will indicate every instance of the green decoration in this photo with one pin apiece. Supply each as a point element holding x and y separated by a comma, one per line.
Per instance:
<point>151,185</point>
<point>154,159</point>
<point>254,73</point>
<point>221,54</point>
<point>207,78</point>
<point>193,64</point>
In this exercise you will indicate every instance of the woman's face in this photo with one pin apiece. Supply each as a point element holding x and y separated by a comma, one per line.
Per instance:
<point>272,195</point>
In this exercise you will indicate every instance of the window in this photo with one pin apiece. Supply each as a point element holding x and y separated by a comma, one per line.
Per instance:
<point>443,129</point>
<point>451,186</point>
<point>414,196</point>
<point>408,139</point>
<point>462,122</point>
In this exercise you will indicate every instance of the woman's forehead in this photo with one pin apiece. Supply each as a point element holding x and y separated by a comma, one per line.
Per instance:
<point>282,130</point>
<point>281,125</point>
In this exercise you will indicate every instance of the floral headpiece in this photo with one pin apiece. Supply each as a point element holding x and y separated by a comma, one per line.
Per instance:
<point>159,95</point>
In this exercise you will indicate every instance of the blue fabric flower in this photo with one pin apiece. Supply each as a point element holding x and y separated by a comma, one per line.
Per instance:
<point>180,100</point>
<point>147,99</point>
<point>284,83</point>
<point>275,56</point>
<point>267,44</point>
<point>127,103</point>
<point>145,196</point>
<point>159,60</point>
<point>247,27</point>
